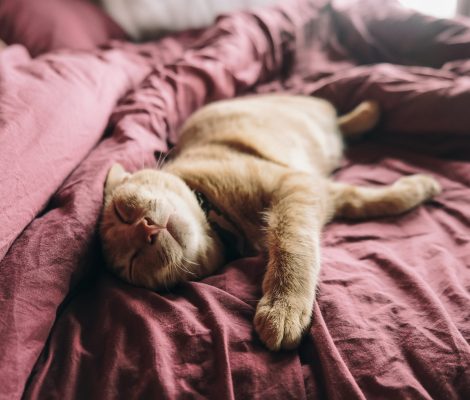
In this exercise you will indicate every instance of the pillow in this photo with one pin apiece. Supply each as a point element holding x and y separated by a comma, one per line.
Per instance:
<point>44,25</point>
<point>146,19</point>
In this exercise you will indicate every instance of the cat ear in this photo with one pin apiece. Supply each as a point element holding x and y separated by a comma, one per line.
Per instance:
<point>116,175</point>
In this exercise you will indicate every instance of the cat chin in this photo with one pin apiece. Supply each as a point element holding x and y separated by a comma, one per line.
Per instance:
<point>181,269</point>
<point>178,255</point>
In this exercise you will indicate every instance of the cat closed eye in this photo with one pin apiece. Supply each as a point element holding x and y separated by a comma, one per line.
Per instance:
<point>119,214</point>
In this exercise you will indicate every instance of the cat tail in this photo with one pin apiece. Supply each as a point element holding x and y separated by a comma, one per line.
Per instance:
<point>360,120</point>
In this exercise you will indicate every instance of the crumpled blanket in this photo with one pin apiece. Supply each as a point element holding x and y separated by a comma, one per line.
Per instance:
<point>392,315</point>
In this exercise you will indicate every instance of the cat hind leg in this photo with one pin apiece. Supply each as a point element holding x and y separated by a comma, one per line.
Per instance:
<point>356,202</point>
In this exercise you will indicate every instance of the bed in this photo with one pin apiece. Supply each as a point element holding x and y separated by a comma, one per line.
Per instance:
<point>392,317</point>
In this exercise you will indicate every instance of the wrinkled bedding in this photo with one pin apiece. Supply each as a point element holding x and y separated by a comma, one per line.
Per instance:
<point>392,317</point>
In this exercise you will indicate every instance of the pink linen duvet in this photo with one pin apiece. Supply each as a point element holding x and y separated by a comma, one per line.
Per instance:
<point>392,319</point>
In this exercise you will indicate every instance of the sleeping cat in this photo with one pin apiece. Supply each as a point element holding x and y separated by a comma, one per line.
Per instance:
<point>248,175</point>
<point>145,19</point>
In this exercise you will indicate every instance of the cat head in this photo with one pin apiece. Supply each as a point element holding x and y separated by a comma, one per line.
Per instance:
<point>153,230</point>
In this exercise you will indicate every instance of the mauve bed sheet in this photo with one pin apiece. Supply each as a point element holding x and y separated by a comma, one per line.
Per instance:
<point>392,318</point>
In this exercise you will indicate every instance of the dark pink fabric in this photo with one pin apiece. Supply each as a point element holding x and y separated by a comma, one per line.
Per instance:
<point>46,25</point>
<point>391,319</point>
<point>40,148</point>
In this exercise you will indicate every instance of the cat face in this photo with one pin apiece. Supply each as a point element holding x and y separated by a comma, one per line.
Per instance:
<point>154,232</point>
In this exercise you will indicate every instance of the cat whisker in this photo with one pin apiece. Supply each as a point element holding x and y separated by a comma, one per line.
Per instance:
<point>159,160</point>
<point>162,158</point>
<point>190,262</point>
<point>182,268</point>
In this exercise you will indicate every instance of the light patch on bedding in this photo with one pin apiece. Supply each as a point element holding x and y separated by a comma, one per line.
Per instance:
<point>147,18</point>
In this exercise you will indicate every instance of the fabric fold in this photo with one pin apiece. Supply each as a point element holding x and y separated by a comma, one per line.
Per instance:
<point>391,319</point>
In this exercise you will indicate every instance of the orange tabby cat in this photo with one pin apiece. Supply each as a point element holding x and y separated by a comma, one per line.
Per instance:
<point>248,175</point>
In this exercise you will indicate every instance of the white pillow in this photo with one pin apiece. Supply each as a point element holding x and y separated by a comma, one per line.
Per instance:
<point>149,18</point>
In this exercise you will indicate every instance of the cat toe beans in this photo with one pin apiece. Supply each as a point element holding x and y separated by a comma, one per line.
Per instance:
<point>279,324</point>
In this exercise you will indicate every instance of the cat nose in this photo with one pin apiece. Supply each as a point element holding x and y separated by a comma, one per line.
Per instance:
<point>149,229</point>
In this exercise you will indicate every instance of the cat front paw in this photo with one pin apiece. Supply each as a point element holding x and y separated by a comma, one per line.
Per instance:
<point>281,324</point>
